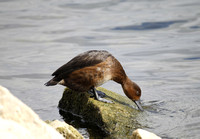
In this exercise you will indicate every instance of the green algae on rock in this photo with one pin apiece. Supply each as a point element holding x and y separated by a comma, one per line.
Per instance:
<point>117,120</point>
<point>68,131</point>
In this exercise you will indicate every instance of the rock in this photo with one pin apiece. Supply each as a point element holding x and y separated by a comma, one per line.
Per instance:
<point>18,121</point>
<point>11,130</point>
<point>68,131</point>
<point>143,134</point>
<point>116,120</point>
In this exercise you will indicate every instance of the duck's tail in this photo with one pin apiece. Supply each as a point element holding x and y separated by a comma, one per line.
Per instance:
<point>51,82</point>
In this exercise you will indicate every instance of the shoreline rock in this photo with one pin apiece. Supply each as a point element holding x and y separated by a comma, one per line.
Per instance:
<point>143,134</point>
<point>17,120</point>
<point>68,131</point>
<point>116,120</point>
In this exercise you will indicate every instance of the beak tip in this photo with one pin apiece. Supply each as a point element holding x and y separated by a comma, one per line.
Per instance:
<point>138,105</point>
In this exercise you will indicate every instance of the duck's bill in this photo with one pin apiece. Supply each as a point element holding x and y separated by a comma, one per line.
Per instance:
<point>137,102</point>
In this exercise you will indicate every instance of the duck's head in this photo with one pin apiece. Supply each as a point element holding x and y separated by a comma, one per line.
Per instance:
<point>133,92</point>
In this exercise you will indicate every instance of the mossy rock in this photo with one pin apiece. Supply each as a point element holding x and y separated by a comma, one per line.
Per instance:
<point>117,120</point>
<point>68,131</point>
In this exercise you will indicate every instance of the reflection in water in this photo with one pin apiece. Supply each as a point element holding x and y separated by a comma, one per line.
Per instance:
<point>157,42</point>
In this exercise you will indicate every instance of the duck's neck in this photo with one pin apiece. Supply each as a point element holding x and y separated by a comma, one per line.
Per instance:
<point>120,77</point>
<point>128,87</point>
<point>126,84</point>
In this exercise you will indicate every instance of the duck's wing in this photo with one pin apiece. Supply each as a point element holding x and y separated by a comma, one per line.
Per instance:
<point>85,59</point>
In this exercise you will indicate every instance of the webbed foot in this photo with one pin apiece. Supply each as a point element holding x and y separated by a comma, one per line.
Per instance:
<point>104,100</point>
<point>101,94</point>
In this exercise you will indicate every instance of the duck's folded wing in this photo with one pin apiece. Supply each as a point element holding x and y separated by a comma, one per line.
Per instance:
<point>86,59</point>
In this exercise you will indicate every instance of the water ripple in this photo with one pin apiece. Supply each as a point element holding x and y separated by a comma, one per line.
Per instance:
<point>192,58</point>
<point>13,26</point>
<point>27,76</point>
<point>149,25</point>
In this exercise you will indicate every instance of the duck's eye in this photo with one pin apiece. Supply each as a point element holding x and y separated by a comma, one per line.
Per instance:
<point>137,93</point>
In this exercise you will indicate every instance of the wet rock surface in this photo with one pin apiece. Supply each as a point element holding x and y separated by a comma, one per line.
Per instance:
<point>115,120</point>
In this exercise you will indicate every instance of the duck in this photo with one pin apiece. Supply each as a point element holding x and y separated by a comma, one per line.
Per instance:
<point>91,69</point>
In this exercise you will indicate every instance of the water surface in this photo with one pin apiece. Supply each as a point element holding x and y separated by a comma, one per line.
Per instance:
<point>157,42</point>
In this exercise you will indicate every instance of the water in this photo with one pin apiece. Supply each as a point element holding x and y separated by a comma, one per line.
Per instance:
<point>157,42</point>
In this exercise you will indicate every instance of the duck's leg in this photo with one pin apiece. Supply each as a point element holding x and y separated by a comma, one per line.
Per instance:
<point>97,97</point>
<point>99,93</point>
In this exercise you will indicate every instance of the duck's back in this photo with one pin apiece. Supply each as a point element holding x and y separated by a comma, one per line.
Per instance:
<point>83,60</point>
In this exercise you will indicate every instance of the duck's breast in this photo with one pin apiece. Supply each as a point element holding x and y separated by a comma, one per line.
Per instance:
<point>104,75</point>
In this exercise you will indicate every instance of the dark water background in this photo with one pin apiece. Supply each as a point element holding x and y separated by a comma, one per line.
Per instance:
<point>157,42</point>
